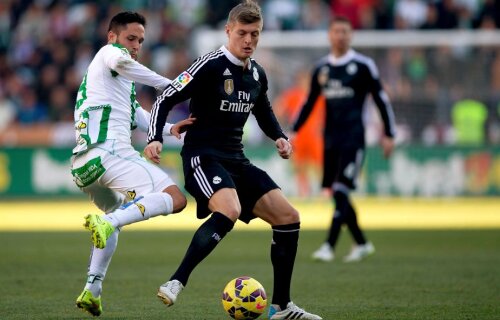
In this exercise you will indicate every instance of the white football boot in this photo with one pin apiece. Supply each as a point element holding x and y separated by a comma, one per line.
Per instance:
<point>292,311</point>
<point>169,291</point>
<point>324,253</point>
<point>359,252</point>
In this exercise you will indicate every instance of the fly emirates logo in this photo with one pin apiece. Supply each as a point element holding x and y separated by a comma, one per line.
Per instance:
<point>335,89</point>
<point>243,104</point>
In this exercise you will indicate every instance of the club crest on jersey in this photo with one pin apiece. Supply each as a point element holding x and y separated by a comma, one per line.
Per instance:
<point>229,86</point>
<point>181,81</point>
<point>352,68</point>
<point>81,125</point>
<point>216,180</point>
<point>255,74</point>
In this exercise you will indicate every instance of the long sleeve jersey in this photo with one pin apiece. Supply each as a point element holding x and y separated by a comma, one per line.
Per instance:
<point>345,83</point>
<point>223,93</point>
<point>106,105</point>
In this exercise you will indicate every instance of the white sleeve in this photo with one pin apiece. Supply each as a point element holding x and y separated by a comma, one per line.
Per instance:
<point>119,60</point>
<point>142,121</point>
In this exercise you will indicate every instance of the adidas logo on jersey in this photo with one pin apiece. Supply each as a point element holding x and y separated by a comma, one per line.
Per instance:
<point>227,72</point>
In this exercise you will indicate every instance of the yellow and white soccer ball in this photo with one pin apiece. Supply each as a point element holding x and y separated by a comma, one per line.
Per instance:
<point>244,298</point>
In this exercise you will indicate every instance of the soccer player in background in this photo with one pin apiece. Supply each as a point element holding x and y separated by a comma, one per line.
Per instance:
<point>345,78</point>
<point>104,164</point>
<point>225,86</point>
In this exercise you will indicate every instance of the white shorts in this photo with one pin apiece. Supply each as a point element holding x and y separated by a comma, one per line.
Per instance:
<point>113,172</point>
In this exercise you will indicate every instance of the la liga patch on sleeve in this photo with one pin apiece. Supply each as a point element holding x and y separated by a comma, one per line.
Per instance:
<point>181,81</point>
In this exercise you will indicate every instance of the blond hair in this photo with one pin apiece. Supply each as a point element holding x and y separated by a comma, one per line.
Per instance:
<point>246,12</point>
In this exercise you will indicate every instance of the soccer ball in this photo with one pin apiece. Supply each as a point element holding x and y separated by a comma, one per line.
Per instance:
<point>244,298</point>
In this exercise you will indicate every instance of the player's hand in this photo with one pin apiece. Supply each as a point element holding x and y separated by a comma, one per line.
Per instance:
<point>153,151</point>
<point>284,148</point>
<point>387,146</point>
<point>181,127</point>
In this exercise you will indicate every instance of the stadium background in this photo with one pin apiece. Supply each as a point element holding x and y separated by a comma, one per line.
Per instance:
<point>433,210</point>
<point>439,61</point>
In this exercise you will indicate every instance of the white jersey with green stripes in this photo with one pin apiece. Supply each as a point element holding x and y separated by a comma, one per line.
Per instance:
<point>106,104</point>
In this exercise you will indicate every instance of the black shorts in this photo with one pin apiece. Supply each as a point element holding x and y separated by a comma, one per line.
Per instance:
<point>342,165</point>
<point>206,174</point>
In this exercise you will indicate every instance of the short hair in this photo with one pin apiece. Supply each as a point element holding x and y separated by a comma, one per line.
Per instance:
<point>340,19</point>
<point>246,12</point>
<point>120,20</point>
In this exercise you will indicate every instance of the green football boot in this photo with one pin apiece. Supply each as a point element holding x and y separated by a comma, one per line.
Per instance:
<point>101,229</point>
<point>88,303</point>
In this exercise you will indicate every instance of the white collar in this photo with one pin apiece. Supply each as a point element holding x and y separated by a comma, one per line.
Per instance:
<point>338,61</point>
<point>235,60</point>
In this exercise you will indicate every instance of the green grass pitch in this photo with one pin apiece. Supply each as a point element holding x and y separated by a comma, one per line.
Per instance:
<point>415,274</point>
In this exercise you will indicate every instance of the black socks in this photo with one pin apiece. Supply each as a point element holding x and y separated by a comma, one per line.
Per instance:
<point>205,239</point>
<point>283,252</point>
<point>344,213</point>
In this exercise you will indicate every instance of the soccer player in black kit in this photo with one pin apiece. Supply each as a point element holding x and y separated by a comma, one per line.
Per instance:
<point>224,87</point>
<point>345,77</point>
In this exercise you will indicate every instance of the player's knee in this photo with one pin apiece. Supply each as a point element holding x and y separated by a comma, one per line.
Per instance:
<point>226,202</point>
<point>341,192</point>
<point>288,216</point>
<point>179,202</point>
<point>293,216</point>
<point>339,216</point>
<point>232,213</point>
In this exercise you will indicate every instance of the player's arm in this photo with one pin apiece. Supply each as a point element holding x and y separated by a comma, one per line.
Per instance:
<point>264,114</point>
<point>307,107</point>
<point>267,121</point>
<point>180,89</point>
<point>384,106</point>
<point>119,60</point>
<point>143,117</point>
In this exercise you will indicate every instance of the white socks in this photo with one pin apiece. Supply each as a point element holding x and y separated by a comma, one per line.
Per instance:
<point>99,262</point>
<point>140,209</point>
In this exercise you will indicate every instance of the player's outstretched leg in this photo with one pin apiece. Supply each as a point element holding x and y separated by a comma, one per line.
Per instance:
<point>292,311</point>
<point>140,209</point>
<point>169,291</point>
<point>100,228</point>
<point>88,303</point>
<point>204,241</point>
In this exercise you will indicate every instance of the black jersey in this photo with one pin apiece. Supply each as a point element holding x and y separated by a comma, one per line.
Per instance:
<point>222,93</point>
<point>345,82</point>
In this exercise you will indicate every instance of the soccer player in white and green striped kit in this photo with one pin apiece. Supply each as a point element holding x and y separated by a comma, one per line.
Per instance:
<point>104,164</point>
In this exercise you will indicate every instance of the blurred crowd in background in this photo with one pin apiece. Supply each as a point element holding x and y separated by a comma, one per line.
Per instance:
<point>46,46</point>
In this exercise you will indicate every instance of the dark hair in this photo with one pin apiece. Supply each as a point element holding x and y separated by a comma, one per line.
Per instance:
<point>246,12</point>
<point>340,19</point>
<point>120,20</point>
